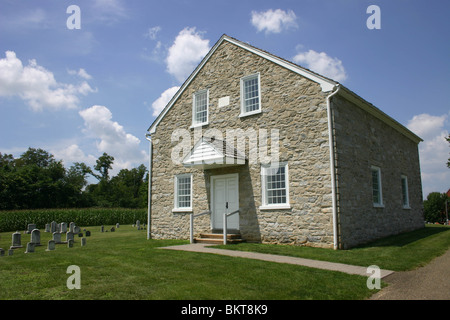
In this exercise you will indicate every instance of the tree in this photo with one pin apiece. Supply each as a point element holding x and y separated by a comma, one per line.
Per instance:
<point>434,207</point>
<point>103,165</point>
<point>448,161</point>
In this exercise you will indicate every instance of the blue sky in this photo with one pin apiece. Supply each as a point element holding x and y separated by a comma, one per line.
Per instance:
<point>80,92</point>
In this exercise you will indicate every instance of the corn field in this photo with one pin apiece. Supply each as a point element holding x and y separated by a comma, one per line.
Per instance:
<point>16,220</point>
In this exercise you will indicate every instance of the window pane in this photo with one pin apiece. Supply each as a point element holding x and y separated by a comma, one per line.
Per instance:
<point>276,185</point>
<point>201,107</point>
<point>376,186</point>
<point>184,192</point>
<point>251,94</point>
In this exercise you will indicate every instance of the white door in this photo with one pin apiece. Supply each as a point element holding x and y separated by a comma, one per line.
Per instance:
<point>225,199</point>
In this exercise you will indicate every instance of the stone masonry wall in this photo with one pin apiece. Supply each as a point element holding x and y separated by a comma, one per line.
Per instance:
<point>291,104</point>
<point>363,141</point>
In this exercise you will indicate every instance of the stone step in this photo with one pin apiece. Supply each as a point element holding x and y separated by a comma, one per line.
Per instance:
<point>217,238</point>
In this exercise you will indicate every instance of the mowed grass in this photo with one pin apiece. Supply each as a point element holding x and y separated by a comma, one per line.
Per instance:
<point>402,252</point>
<point>125,265</point>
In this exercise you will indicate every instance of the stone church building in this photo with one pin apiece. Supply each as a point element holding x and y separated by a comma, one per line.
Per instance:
<point>297,157</point>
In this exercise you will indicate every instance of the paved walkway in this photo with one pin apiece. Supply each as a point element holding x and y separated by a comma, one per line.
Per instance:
<point>198,247</point>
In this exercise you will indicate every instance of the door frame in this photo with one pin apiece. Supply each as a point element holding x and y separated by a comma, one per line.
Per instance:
<point>212,181</point>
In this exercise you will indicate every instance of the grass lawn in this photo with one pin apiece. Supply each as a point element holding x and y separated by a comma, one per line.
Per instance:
<point>125,265</point>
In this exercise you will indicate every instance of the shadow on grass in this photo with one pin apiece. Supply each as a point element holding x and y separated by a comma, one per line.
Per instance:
<point>406,238</point>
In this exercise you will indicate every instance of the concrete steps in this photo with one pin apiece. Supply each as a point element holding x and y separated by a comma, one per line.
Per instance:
<point>217,238</point>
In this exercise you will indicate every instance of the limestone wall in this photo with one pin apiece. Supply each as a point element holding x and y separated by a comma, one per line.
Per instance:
<point>291,104</point>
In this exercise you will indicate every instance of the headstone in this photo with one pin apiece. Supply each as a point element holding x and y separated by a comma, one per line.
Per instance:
<point>69,236</point>
<point>36,237</point>
<point>53,226</point>
<point>76,229</point>
<point>47,227</point>
<point>2,252</point>
<point>69,243</point>
<point>80,234</point>
<point>63,227</point>
<point>71,226</point>
<point>58,227</point>
<point>112,229</point>
<point>103,228</point>
<point>51,245</point>
<point>30,247</point>
<point>117,225</point>
<point>31,227</point>
<point>88,233</point>
<point>138,224</point>
<point>16,240</point>
<point>10,252</point>
<point>57,237</point>
<point>83,242</point>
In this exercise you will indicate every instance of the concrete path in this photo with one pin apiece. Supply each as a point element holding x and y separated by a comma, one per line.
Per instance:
<point>206,248</point>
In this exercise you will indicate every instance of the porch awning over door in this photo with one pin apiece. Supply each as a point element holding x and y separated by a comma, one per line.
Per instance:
<point>209,153</point>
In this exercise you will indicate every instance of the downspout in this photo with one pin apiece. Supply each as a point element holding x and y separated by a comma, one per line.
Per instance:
<point>332,168</point>
<point>149,138</point>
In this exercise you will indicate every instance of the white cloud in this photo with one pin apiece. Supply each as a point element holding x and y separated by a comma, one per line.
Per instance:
<point>434,151</point>
<point>152,32</point>
<point>186,52</point>
<point>81,73</point>
<point>159,104</point>
<point>73,153</point>
<point>37,86</point>
<point>112,138</point>
<point>322,64</point>
<point>274,21</point>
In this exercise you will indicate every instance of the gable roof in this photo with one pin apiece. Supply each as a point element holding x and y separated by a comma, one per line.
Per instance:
<point>325,83</point>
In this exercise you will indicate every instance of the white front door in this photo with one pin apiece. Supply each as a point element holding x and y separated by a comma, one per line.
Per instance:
<point>225,199</point>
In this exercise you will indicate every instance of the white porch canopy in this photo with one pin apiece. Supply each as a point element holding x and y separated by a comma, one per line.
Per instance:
<point>209,153</point>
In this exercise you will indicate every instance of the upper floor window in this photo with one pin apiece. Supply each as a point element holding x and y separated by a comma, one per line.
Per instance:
<point>377,194</point>
<point>250,95</point>
<point>200,108</point>
<point>405,193</point>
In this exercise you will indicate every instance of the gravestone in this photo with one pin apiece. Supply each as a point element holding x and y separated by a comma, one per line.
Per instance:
<point>83,242</point>
<point>138,224</point>
<point>36,237</point>
<point>30,247</point>
<point>103,228</point>
<point>69,236</point>
<point>53,226</point>
<point>57,237</point>
<point>112,229</point>
<point>88,233</point>
<point>10,252</point>
<point>16,240</point>
<point>31,227</point>
<point>2,252</point>
<point>76,229</point>
<point>117,225</point>
<point>51,245</point>
<point>47,227</point>
<point>71,226</point>
<point>80,234</point>
<point>70,243</point>
<point>63,227</point>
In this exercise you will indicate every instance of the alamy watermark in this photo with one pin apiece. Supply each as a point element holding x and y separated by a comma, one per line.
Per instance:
<point>74,20</point>
<point>374,280</point>
<point>73,281</point>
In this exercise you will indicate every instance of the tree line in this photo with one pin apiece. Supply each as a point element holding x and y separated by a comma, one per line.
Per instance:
<point>37,180</point>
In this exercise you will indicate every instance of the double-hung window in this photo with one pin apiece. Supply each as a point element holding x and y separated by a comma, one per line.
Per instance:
<point>183,193</point>
<point>377,194</point>
<point>200,108</point>
<point>275,187</point>
<point>250,95</point>
<point>405,193</point>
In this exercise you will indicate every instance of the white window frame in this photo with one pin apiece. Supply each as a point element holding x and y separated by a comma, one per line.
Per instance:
<point>264,203</point>
<point>194,108</point>
<point>176,207</point>
<point>405,192</point>
<point>380,203</point>
<point>243,80</point>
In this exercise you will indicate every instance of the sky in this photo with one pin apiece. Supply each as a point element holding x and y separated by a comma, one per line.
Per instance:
<point>80,78</point>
